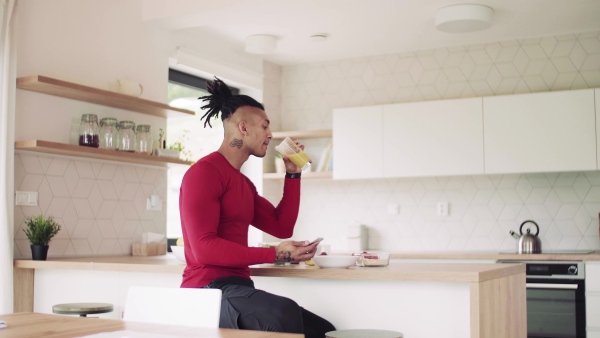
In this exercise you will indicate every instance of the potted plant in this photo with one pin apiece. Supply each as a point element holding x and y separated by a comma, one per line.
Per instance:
<point>40,231</point>
<point>180,147</point>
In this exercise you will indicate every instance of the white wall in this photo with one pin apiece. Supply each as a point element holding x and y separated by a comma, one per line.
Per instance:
<point>94,43</point>
<point>91,43</point>
<point>482,208</point>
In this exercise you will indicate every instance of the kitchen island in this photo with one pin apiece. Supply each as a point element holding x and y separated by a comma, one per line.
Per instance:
<point>476,300</point>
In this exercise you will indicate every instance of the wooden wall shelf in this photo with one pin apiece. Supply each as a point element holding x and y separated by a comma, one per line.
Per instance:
<point>48,147</point>
<point>47,85</point>
<point>303,134</point>
<point>311,175</point>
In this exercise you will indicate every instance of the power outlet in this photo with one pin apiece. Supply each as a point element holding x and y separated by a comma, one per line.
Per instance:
<point>29,198</point>
<point>393,209</point>
<point>442,208</point>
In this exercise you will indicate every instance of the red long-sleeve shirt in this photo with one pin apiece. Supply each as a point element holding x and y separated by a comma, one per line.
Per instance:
<point>217,204</point>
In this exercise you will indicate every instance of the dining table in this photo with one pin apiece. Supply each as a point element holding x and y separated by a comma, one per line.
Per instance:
<point>30,324</point>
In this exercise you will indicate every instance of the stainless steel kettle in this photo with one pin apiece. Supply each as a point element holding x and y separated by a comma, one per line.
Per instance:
<point>528,243</point>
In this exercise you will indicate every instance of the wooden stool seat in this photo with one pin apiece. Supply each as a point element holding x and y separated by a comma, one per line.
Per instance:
<point>363,333</point>
<point>81,309</point>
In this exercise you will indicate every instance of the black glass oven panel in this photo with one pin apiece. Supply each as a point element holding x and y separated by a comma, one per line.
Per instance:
<point>551,313</point>
<point>534,269</point>
<point>556,313</point>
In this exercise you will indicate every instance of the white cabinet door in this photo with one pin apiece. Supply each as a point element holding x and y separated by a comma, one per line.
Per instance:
<point>433,138</point>
<point>592,295</point>
<point>357,143</point>
<point>592,277</point>
<point>541,132</point>
<point>597,91</point>
<point>592,310</point>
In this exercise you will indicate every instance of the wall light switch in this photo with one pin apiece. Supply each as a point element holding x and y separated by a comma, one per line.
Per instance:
<point>29,198</point>
<point>154,203</point>
<point>393,209</point>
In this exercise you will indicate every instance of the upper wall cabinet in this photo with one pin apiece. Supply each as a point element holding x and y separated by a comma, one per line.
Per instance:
<point>434,138</point>
<point>542,132</point>
<point>357,143</point>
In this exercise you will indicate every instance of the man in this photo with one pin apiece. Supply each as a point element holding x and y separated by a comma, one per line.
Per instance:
<point>218,204</point>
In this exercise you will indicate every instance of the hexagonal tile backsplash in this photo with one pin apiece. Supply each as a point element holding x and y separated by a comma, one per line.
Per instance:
<point>100,205</point>
<point>482,211</point>
<point>482,208</point>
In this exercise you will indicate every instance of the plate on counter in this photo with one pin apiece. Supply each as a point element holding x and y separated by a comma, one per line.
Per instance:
<point>334,261</point>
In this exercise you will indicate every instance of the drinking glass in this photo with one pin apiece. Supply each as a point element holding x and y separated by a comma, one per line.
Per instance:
<point>290,149</point>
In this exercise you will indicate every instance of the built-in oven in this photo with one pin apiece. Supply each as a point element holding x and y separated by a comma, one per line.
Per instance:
<point>555,299</point>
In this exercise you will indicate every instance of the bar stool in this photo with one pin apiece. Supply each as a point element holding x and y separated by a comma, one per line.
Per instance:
<point>81,309</point>
<point>363,333</point>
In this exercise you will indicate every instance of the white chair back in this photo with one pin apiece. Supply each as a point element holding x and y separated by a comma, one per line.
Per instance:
<point>174,306</point>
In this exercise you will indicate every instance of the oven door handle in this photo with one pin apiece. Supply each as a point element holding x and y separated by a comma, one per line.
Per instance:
<point>551,286</point>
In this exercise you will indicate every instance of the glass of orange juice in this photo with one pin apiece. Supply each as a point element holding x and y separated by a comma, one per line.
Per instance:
<point>290,149</point>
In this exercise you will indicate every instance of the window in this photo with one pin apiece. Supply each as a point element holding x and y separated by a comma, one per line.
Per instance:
<point>197,141</point>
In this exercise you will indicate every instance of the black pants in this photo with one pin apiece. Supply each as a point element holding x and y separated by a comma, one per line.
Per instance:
<point>244,307</point>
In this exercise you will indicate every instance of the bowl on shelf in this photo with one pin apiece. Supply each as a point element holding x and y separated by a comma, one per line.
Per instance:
<point>373,259</point>
<point>334,261</point>
<point>179,252</point>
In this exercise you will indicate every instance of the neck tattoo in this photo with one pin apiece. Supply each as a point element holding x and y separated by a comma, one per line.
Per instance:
<point>236,143</point>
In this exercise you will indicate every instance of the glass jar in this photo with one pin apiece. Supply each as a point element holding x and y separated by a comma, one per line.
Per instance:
<point>108,133</point>
<point>88,131</point>
<point>144,139</point>
<point>126,139</point>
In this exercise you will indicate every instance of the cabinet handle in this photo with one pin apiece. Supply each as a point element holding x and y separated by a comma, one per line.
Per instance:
<point>551,286</point>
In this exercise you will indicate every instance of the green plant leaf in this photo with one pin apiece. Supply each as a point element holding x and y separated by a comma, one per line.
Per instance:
<point>40,229</point>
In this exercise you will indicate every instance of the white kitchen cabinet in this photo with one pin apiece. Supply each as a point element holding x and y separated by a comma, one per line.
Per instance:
<point>593,334</point>
<point>592,297</point>
<point>597,101</point>
<point>358,143</point>
<point>541,132</point>
<point>434,138</point>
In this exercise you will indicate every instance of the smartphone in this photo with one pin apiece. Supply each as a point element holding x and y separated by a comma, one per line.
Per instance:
<point>316,240</point>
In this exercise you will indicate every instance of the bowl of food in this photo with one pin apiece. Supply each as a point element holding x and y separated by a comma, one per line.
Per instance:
<point>179,252</point>
<point>334,261</point>
<point>373,259</point>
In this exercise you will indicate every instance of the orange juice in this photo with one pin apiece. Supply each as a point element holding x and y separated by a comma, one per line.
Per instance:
<point>300,159</point>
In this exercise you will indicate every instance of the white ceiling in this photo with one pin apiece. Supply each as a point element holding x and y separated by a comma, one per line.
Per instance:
<point>359,28</point>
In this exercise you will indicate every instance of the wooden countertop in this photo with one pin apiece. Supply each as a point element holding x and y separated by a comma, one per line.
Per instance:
<point>444,272</point>
<point>161,264</point>
<point>440,272</point>
<point>552,256</point>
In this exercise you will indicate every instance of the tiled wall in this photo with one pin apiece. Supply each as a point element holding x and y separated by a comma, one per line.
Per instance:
<point>482,208</point>
<point>101,205</point>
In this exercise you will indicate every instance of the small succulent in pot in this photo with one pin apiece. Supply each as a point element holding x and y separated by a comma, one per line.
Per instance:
<point>40,231</point>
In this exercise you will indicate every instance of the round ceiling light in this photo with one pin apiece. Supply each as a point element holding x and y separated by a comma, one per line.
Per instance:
<point>260,44</point>
<point>463,18</point>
